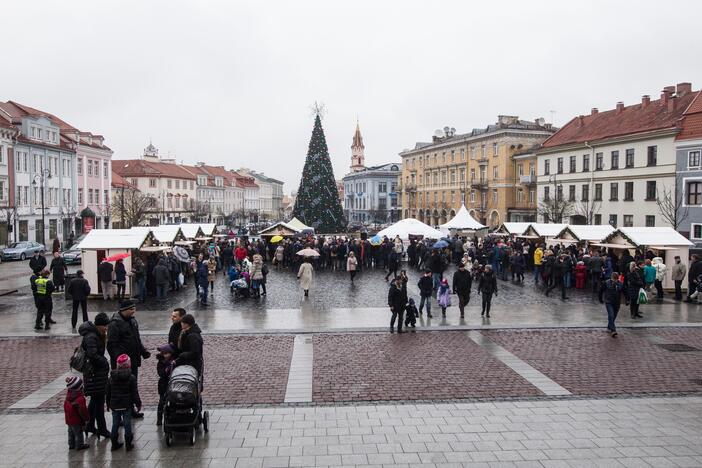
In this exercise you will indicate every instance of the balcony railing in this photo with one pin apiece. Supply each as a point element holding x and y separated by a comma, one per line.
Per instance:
<point>482,161</point>
<point>529,179</point>
<point>479,183</point>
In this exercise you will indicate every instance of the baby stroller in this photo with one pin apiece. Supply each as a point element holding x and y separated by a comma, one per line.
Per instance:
<point>240,288</point>
<point>183,409</point>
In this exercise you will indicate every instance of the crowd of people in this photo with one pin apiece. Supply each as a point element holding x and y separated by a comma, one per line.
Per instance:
<point>112,382</point>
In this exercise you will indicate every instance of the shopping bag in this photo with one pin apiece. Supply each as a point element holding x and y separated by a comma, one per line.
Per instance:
<point>181,279</point>
<point>643,297</point>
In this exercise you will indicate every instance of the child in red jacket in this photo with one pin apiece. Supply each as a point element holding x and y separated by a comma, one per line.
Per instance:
<point>76,413</point>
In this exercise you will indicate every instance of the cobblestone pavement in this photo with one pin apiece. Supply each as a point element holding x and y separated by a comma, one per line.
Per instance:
<point>254,369</point>
<point>624,432</point>
<point>336,304</point>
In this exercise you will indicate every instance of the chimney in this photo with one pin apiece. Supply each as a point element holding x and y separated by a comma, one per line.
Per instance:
<point>665,94</point>
<point>594,111</point>
<point>670,90</point>
<point>645,101</point>
<point>684,88</point>
<point>672,103</point>
<point>620,107</point>
<point>581,121</point>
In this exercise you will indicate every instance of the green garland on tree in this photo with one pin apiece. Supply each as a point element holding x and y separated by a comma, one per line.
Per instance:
<point>317,203</point>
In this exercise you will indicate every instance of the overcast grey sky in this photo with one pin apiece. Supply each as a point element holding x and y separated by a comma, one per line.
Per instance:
<point>231,82</point>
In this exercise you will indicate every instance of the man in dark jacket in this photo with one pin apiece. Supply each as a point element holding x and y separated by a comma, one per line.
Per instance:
<point>694,272</point>
<point>612,292</point>
<point>45,304</point>
<point>487,287</point>
<point>37,262</point>
<point>174,271</point>
<point>436,265</point>
<point>426,287</point>
<point>95,375</point>
<point>174,332</point>
<point>123,338</point>
<point>462,283</point>
<point>190,345</point>
<point>594,267</point>
<point>397,300</point>
<point>162,277</point>
<point>559,276</point>
<point>79,289</point>
<point>105,270</point>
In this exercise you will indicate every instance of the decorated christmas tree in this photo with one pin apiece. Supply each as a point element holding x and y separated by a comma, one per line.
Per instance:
<point>317,203</point>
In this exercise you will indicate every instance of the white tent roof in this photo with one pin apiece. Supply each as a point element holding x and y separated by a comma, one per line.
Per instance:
<point>514,227</point>
<point>653,236</point>
<point>584,232</point>
<point>114,239</point>
<point>297,224</point>
<point>462,220</point>
<point>405,227</point>
<point>274,227</point>
<point>208,229</point>
<point>165,233</point>
<point>189,230</point>
<point>547,229</point>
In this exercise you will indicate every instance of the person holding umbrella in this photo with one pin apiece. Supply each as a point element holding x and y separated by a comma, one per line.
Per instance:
<point>304,274</point>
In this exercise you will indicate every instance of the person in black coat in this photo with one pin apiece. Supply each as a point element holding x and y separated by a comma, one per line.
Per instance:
<point>190,344</point>
<point>122,399</point>
<point>94,335</point>
<point>426,287</point>
<point>694,272</point>
<point>611,290</point>
<point>37,262</point>
<point>174,332</point>
<point>634,282</point>
<point>164,366</point>
<point>397,300</point>
<point>559,272</point>
<point>462,283</point>
<point>58,271</point>
<point>487,287</point>
<point>79,289</point>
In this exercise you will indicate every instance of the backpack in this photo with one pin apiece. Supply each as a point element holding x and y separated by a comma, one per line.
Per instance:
<point>78,360</point>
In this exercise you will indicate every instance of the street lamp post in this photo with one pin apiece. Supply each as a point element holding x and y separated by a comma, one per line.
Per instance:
<point>44,174</point>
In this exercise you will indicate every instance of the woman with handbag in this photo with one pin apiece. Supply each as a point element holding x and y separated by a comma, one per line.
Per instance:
<point>95,372</point>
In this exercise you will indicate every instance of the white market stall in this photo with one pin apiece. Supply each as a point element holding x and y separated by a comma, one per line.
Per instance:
<point>279,229</point>
<point>191,231</point>
<point>665,242</point>
<point>102,243</point>
<point>410,227</point>
<point>582,233</point>
<point>510,229</point>
<point>299,225</point>
<point>546,231</point>
<point>167,234</point>
<point>208,229</point>
<point>462,222</point>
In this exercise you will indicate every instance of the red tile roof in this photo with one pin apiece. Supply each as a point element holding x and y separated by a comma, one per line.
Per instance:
<point>656,115</point>
<point>5,123</point>
<point>142,168</point>
<point>692,120</point>
<point>118,182</point>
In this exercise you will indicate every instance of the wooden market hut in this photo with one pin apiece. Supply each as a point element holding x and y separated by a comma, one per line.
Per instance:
<point>279,229</point>
<point>581,234</point>
<point>510,229</point>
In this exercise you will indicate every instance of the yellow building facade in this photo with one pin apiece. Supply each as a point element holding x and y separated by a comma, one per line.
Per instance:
<point>492,169</point>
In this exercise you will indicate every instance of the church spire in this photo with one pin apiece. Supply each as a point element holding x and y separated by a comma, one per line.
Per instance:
<point>357,156</point>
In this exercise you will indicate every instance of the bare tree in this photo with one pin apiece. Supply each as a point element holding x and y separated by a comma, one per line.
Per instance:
<point>671,206</point>
<point>132,207</point>
<point>202,211</point>
<point>587,209</point>
<point>555,209</point>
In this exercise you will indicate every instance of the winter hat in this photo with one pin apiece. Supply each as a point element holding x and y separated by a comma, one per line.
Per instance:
<point>101,319</point>
<point>126,305</point>
<point>166,348</point>
<point>123,362</point>
<point>74,382</point>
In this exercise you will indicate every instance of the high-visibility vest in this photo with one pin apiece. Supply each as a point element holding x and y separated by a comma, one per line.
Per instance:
<point>41,286</point>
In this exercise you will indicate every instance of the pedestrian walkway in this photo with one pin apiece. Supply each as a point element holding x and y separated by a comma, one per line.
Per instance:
<point>623,432</point>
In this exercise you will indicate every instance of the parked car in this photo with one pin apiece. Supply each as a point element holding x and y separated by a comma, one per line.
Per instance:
<point>22,250</point>
<point>71,256</point>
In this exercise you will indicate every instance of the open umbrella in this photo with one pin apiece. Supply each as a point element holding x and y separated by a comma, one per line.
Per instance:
<point>376,240</point>
<point>119,256</point>
<point>442,244</point>
<point>276,239</point>
<point>308,253</point>
<point>180,253</point>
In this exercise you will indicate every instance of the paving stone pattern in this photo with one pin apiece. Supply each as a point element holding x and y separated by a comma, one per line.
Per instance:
<point>640,433</point>
<point>590,362</point>
<point>428,365</point>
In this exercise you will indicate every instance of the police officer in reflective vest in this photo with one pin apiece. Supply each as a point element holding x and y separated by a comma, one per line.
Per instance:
<point>45,287</point>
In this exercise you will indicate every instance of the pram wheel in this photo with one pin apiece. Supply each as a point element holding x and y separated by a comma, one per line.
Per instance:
<point>206,421</point>
<point>169,439</point>
<point>192,436</point>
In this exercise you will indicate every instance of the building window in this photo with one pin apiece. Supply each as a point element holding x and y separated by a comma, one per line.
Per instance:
<point>559,193</point>
<point>696,231</point>
<point>547,191</point>
<point>495,172</point>
<point>192,185</point>
<point>628,191</point>
<point>472,196</point>
<point>571,168</point>
<point>531,196</point>
<point>650,221</point>
<point>90,167</point>
<point>547,167</point>
<point>382,187</point>
<point>615,160</point>
<point>463,154</point>
<point>520,169</point>
<point>177,184</point>
<point>80,196</point>
<point>494,195</point>
<point>483,151</point>
<point>613,220</point>
<point>168,183</point>
<point>571,193</point>
<point>598,219</point>
<point>599,161</point>
<point>586,163</point>
<point>472,174</point>
<point>559,169</point>
<point>90,196</point>
<point>614,191</point>
<point>520,195</point>
<point>472,152</point>
<point>106,197</point>
<point>598,192</point>
<point>79,168</point>
<point>134,183</point>
<point>651,156</point>
<point>531,169</point>
<point>628,221</point>
<point>629,162</point>
<point>650,190</point>
<point>152,183</point>
<point>585,193</point>
<point>494,149</point>
<point>694,193</point>
<point>693,160</point>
